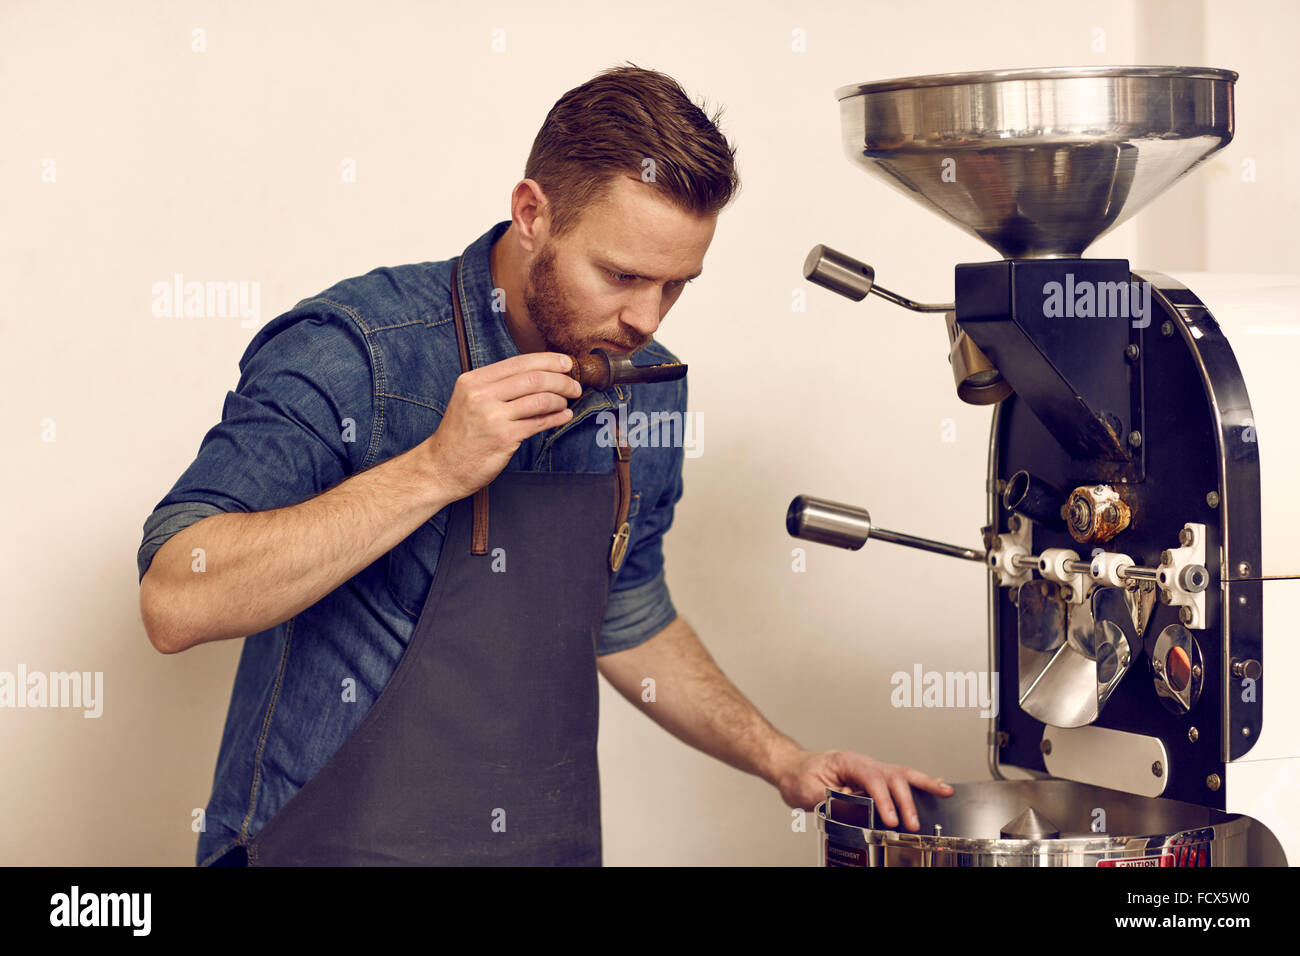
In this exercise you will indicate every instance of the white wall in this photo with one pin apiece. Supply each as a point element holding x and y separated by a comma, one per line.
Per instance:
<point>225,165</point>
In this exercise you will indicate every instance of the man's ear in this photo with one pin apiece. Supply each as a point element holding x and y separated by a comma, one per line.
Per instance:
<point>531,212</point>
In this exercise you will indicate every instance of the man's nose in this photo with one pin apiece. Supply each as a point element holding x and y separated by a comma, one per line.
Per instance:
<point>645,314</point>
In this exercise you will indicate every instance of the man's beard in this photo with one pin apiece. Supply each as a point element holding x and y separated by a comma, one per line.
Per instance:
<point>548,308</point>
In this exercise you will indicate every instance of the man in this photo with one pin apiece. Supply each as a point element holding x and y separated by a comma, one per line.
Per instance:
<point>409,505</point>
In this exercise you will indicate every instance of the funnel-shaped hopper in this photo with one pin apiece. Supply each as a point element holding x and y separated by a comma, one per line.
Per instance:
<point>1038,163</point>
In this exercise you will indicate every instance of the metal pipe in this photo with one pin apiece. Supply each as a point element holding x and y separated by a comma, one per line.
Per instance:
<point>926,544</point>
<point>1034,498</point>
<point>1133,573</point>
<point>908,303</point>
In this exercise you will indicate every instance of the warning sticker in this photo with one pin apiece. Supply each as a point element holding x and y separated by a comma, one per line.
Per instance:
<point>845,855</point>
<point>1165,859</point>
<point>1184,853</point>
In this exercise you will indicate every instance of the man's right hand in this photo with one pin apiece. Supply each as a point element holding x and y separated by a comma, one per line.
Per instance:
<point>492,411</point>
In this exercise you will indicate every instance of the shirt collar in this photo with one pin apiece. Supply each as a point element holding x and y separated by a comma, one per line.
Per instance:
<point>485,328</point>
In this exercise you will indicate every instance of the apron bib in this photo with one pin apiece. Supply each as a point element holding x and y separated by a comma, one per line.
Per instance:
<point>481,749</point>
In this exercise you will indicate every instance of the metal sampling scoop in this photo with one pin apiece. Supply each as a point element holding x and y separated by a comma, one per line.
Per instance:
<point>604,368</point>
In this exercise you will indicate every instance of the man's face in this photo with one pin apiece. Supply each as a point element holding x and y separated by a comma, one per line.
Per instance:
<point>610,281</point>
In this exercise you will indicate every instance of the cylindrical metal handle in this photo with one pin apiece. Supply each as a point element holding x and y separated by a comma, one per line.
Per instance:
<point>847,526</point>
<point>828,522</point>
<point>853,279</point>
<point>839,273</point>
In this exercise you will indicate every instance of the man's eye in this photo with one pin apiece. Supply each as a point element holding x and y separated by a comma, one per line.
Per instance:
<point>625,277</point>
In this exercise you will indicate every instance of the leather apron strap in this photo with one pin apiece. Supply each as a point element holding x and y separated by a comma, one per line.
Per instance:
<point>622,458</point>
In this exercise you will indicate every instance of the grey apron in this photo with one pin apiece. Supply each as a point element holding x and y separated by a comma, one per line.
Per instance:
<point>481,749</point>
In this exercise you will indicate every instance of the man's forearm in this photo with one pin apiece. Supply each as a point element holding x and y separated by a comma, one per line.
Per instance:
<point>695,702</point>
<point>262,568</point>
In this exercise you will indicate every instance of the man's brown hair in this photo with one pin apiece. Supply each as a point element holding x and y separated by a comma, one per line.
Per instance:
<point>630,121</point>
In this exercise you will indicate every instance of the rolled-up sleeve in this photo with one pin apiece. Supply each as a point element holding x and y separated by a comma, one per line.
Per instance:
<point>297,424</point>
<point>635,615</point>
<point>166,521</point>
<point>639,604</point>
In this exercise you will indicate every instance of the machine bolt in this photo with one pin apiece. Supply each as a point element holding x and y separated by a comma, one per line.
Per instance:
<point>1213,781</point>
<point>1241,599</point>
<point>1166,557</point>
<point>1185,614</point>
<point>1185,537</point>
<point>938,829</point>
<point>1245,731</point>
<point>1212,499</point>
<point>1158,769</point>
<point>1249,669</point>
<point>1158,667</point>
<point>1193,734</point>
<point>1167,329</point>
<point>1135,439</point>
<point>1243,568</point>
<point>1131,352</point>
<point>1045,746</point>
<point>1196,672</point>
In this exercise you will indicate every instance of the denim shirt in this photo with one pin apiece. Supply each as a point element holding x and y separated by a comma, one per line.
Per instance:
<point>341,382</point>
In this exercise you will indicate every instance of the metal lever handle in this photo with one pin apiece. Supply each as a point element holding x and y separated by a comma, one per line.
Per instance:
<point>847,526</point>
<point>853,279</point>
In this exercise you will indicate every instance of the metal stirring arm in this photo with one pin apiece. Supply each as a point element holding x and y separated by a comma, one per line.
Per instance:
<point>847,526</point>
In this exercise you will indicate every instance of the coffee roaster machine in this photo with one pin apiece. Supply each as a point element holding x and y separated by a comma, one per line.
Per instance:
<point>1141,537</point>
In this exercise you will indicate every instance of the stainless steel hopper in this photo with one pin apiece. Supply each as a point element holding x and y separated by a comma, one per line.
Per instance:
<point>1038,162</point>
